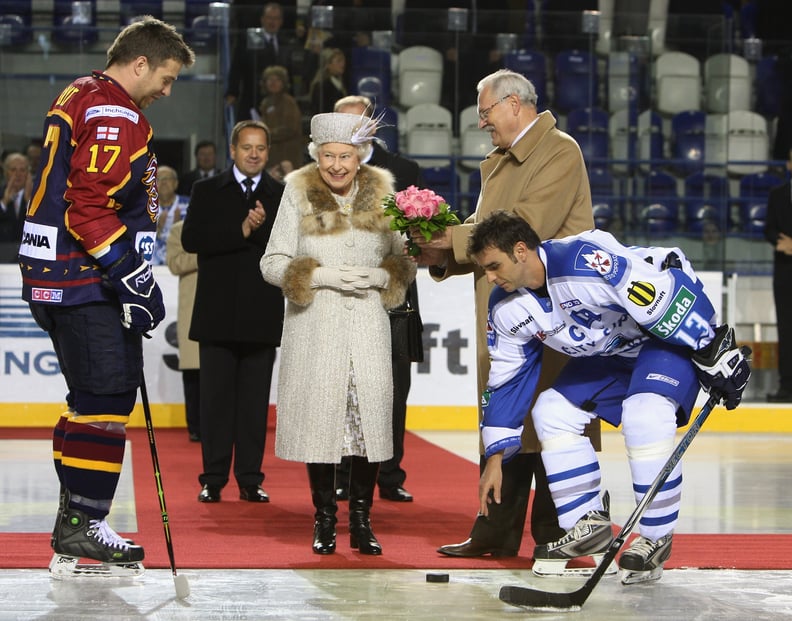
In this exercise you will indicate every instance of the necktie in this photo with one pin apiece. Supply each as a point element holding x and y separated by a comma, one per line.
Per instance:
<point>248,183</point>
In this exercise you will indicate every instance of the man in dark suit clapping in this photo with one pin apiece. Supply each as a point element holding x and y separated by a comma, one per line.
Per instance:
<point>237,317</point>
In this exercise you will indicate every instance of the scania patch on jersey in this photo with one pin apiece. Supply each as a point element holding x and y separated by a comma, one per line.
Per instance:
<point>104,132</point>
<point>641,293</point>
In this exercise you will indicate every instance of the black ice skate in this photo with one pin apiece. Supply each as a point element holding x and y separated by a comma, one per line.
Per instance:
<point>591,536</point>
<point>78,536</point>
<point>643,560</point>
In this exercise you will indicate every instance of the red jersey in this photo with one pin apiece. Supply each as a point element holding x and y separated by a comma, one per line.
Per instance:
<point>96,183</point>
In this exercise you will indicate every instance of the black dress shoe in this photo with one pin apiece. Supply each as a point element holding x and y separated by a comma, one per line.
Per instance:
<point>253,493</point>
<point>209,493</point>
<point>782,396</point>
<point>470,548</point>
<point>194,437</point>
<point>396,494</point>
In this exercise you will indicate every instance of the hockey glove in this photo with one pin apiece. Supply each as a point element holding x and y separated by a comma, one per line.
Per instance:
<point>723,368</point>
<point>140,296</point>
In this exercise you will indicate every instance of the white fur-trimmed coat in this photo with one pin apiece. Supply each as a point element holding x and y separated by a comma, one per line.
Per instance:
<point>325,329</point>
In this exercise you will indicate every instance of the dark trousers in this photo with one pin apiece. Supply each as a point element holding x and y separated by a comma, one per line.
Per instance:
<point>191,381</point>
<point>235,388</point>
<point>391,473</point>
<point>503,528</point>
<point>782,292</point>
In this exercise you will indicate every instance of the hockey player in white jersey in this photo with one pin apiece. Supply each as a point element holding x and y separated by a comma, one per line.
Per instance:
<point>643,338</point>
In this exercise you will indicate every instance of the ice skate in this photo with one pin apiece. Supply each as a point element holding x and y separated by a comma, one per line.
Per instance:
<point>77,536</point>
<point>591,536</point>
<point>643,560</point>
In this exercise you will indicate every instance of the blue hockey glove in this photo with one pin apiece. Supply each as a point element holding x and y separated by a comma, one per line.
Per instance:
<point>723,368</point>
<point>140,296</point>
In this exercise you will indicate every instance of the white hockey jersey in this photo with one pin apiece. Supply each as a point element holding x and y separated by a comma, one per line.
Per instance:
<point>603,299</point>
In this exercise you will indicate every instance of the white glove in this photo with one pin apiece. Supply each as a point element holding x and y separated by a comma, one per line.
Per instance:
<point>378,278</point>
<point>350,279</point>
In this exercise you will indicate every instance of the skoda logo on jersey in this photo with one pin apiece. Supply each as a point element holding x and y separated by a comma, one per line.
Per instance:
<point>145,245</point>
<point>641,293</point>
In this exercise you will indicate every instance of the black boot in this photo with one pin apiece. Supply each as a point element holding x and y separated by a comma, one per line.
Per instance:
<point>322,480</point>
<point>363,478</point>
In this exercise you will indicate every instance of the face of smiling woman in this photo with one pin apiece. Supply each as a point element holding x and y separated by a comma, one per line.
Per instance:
<point>338,166</point>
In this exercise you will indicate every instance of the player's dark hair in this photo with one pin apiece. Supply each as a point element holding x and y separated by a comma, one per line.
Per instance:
<point>157,41</point>
<point>501,230</point>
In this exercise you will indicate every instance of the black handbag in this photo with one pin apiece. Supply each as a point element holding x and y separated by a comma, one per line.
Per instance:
<point>406,330</point>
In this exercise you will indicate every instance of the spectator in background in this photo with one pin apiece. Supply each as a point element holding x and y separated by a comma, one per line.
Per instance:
<point>33,153</point>
<point>327,86</point>
<point>237,317</point>
<point>391,477</point>
<point>14,196</point>
<point>243,90</point>
<point>172,209</point>
<point>205,167</point>
<point>279,110</point>
<point>185,265</point>
<point>340,267</point>
<point>778,231</point>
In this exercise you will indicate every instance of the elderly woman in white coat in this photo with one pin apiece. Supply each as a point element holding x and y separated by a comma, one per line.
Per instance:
<point>340,268</point>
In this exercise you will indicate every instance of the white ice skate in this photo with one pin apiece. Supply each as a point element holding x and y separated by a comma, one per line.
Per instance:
<point>77,536</point>
<point>643,560</point>
<point>590,537</point>
<point>64,567</point>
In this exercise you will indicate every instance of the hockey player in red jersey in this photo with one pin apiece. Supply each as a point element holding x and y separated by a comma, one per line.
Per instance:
<point>88,235</point>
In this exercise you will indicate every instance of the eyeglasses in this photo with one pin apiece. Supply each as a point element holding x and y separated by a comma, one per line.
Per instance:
<point>484,114</point>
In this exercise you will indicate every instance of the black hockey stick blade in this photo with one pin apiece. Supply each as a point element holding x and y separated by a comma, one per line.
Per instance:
<point>527,597</point>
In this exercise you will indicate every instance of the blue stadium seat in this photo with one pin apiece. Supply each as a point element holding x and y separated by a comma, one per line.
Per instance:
<point>754,189</point>
<point>576,82</point>
<point>389,127</point>
<point>370,74</point>
<point>444,181</point>
<point>589,127</point>
<point>199,32</point>
<point>16,20</point>
<point>533,65</point>
<point>133,9</point>
<point>687,141</point>
<point>768,87</point>
<point>659,188</point>
<point>603,216</point>
<point>706,199</point>
<point>602,192</point>
<point>72,29</point>
<point>657,219</point>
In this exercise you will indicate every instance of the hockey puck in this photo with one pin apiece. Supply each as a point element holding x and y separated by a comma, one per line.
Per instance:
<point>436,577</point>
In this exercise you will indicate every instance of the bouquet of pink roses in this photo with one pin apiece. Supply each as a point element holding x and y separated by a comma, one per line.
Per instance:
<point>421,209</point>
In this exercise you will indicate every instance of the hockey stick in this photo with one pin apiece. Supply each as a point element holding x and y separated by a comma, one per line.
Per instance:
<point>179,582</point>
<point>533,598</point>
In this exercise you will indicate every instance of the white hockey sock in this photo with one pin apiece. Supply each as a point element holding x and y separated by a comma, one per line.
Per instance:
<point>574,476</point>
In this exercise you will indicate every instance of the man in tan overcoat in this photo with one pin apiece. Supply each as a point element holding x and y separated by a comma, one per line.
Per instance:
<point>537,172</point>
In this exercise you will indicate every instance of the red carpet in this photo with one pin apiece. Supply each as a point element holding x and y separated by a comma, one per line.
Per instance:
<point>235,534</point>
